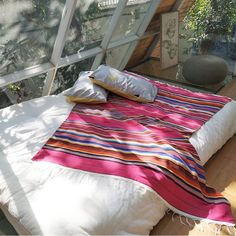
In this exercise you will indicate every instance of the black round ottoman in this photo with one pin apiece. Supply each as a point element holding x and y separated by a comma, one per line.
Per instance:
<point>205,69</point>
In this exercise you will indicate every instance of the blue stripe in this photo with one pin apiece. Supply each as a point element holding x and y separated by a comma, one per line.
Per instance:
<point>175,157</point>
<point>190,104</point>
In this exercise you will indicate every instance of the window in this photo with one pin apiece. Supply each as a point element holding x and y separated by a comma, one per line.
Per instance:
<point>131,18</point>
<point>58,39</point>
<point>66,76</point>
<point>22,91</point>
<point>113,57</point>
<point>88,26</point>
<point>28,32</point>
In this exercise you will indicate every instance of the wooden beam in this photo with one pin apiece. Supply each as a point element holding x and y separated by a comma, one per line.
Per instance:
<point>152,47</point>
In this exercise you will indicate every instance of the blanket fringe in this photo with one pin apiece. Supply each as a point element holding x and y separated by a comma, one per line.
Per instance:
<point>230,232</point>
<point>188,222</point>
<point>199,226</point>
<point>173,215</point>
<point>215,229</point>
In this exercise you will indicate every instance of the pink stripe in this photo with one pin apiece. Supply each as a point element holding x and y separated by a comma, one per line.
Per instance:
<point>155,180</point>
<point>172,117</point>
<point>147,137</point>
<point>107,122</point>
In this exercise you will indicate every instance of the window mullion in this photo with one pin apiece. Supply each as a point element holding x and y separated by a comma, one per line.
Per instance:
<point>111,29</point>
<point>65,23</point>
<point>140,31</point>
<point>25,74</point>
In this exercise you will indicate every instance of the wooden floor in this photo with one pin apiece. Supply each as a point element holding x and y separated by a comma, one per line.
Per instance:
<point>221,174</point>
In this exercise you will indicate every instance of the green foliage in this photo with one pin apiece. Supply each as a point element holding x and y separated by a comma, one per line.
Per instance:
<point>16,87</point>
<point>24,91</point>
<point>209,18</point>
<point>92,11</point>
<point>37,26</point>
<point>66,76</point>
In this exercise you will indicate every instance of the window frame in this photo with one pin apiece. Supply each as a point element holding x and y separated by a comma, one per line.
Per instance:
<point>56,61</point>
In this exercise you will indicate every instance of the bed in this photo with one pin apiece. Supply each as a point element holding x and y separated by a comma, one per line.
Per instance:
<point>46,198</point>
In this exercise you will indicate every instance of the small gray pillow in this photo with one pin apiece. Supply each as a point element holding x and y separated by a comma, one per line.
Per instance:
<point>84,91</point>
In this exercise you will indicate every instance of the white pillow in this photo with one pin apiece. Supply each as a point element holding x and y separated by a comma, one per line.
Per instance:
<point>84,91</point>
<point>124,84</point>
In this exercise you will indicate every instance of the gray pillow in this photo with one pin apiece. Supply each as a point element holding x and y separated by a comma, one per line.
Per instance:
<point>123,84</point>
<point>84,91</point>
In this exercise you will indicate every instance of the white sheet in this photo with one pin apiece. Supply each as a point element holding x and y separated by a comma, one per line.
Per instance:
<point>50,199</point>
<point>46,198</point>
<point>215,132</point>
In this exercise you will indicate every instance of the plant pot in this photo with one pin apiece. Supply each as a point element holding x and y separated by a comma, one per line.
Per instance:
<point>205,69</point>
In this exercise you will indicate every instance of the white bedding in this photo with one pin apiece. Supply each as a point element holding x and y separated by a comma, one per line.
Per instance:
<point>45,198</point>
<point>215,133</point>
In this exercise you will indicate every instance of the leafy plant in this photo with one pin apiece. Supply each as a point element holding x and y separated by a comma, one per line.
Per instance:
<point>210,19</point>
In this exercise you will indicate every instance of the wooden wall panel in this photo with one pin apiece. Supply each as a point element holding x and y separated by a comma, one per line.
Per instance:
<point>156,51</point>
<point>138,55</point>
<point>186,5</point>
<point>154,26</point>
<point>165,6</point>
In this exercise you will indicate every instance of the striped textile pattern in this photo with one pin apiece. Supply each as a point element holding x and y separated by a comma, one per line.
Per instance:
<point>148,143</point>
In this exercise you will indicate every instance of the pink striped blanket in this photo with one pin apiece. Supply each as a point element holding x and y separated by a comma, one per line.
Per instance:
<point>148,143</point>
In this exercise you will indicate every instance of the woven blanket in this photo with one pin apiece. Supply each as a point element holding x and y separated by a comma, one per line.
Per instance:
<point>148,143</point>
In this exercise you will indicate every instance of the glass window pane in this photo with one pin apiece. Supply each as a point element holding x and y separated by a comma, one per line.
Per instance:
<point>114,57</point>
<point>66,76</point>
<point>132,17</point>
<point>88,26</point>
<point>22,91</point>
<point>209,27</point>
<point>28,30</point>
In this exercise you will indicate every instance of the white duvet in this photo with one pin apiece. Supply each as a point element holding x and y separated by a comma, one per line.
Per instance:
<point>45,198</point>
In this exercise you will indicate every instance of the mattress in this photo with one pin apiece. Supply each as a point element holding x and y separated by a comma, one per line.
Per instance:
<point>45,198</point>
